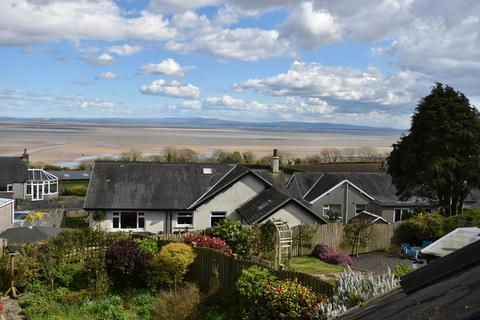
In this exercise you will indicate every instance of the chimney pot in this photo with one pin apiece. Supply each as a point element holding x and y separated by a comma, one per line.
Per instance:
<point>275,162</point>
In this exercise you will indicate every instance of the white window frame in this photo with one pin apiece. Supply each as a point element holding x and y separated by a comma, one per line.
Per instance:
<point>118,215</point>
<point>401,213</point>
<point>9,187</point>
<point>217,214</point>
<point>184,214</point>
<point>326,207</point>
<point>365,206</point>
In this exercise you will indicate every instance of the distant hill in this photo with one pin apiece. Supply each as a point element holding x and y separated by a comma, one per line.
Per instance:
<point>212,123</point>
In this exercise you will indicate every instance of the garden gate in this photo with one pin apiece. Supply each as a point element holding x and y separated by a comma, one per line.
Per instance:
<point>284,241</point>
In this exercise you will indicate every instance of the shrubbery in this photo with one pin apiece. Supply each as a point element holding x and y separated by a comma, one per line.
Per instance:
<point>432,226</point>
<point>179,305</point>
<point>171,263</point>
<point>239,237</point>
<point>353,288</point>
<point>127,265</point>
<point>203,241</point>
<point>147,245</point>
<point>264,297</point>
<point>328,255</point>
<point>401,270</point>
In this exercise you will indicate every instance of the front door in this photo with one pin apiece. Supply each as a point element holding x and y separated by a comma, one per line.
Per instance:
<point>37,192</point>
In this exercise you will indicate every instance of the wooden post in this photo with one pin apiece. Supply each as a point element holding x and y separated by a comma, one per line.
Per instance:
<point>12,290</point>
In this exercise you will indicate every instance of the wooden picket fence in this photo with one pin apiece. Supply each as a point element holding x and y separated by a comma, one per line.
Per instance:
<point>331,234</point>
<point>214,270</point>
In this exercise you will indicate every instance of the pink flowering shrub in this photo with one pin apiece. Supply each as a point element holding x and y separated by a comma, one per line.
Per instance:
<point>328,255</point>
<point>203,241</point>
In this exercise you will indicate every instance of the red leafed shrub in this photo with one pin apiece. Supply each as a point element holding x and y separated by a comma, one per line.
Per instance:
<point>127,265</point>
<point>203,241</point>
<point>328,255</point>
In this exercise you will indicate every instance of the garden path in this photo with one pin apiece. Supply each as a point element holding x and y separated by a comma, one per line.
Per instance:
<point>11,309</point>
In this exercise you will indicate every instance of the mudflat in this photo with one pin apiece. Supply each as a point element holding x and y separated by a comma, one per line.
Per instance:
<point>72,142</point>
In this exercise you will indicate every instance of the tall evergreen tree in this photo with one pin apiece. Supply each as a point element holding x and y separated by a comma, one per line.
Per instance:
<point>440,157</point>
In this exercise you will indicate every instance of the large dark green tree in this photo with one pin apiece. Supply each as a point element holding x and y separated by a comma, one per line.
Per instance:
<point>439,158</point>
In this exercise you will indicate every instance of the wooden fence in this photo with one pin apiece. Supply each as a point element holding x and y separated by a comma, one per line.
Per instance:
<point>214,270</point>
<point>331,234</point>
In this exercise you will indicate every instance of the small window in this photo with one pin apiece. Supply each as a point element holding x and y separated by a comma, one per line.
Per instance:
<point>141,220</point>
<point>360,208</point>
<point>217,216</point>
<point>53,187</point>
<point>116,220</point>
<point>29,189</point>
<point>185,219</point>
<point>332,211</point>
<point>10,187</point>
<point>400,214</point>
<point>207,171</point>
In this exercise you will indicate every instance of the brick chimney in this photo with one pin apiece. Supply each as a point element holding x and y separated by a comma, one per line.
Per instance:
<point>275,162</point>
<point>25,154</point>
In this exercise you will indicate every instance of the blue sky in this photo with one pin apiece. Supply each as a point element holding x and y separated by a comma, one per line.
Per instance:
<point>360,62</point>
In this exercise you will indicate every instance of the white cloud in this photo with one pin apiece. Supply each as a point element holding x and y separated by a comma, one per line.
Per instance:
<point>124,50</point>
<point>311,28</point>
<point>171,89</point>
<point>52,103</point>
<point>339,85</point>
<point>24,22</point>
<point>239,104</point>
<point>192,104</point>
<point>107,75</point>
<point>179,5</point>
<point>168,67</point>
<point>102,60</point>
<point>249,44</point>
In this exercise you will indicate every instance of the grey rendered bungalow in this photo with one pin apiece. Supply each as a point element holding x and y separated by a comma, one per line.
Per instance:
<point>167,197</point>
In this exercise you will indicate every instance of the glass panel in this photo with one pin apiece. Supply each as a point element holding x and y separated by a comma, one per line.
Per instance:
<point>141,222</point>
<point>185,218</point>
<point>53,187</point>
<point>116,222</point>
<point>398,215</point>
<point>216,217</point>
<point>333,211</point>
<point>360,207</point>
<point>128,220</point>
<point>29,188</point>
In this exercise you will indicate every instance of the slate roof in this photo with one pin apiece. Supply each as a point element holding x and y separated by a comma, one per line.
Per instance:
<point>448,288</point>
<point>275,179</point>
<point>29,234</point>
<point>341,167</point>
<point>378,185</point>
<point>13,169</point>
<point>267,203</point>
<point>154,185</point>
<point>301,182</point>
<point>72,175</point>
<point>368,217</point>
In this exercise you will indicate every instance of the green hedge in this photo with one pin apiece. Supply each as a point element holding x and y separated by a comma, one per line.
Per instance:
<point>432,226</point>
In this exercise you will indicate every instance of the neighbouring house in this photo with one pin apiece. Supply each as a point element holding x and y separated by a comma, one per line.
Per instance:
<point>346,194</point>
<point>447,288</point>
<point>7,209</point>
<point>168,197</point>
<point>17,181</point>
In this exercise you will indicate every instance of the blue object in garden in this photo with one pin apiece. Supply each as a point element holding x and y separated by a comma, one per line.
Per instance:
<point>426,243</point>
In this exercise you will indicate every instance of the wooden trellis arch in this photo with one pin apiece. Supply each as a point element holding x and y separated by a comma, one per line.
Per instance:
<point>284,241</point>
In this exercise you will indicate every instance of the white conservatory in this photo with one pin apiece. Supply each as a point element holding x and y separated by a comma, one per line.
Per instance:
<point>41,185</point>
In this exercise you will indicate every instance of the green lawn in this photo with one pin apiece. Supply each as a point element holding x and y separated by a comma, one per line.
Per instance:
<point>74,222</point>
<point>312,265</point>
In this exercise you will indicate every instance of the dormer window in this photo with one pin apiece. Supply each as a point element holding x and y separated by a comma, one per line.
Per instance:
<point>207,171</point>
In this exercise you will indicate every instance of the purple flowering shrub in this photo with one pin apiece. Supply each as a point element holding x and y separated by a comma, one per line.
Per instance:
<point>127,265</point>
<point>328,255</point>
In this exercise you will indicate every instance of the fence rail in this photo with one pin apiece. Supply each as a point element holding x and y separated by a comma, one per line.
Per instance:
<point>331,234</point>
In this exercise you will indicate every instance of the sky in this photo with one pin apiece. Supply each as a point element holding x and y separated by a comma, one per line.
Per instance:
<point>357,62</point>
